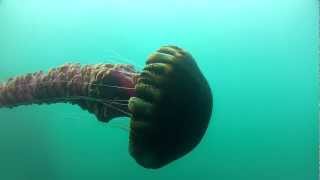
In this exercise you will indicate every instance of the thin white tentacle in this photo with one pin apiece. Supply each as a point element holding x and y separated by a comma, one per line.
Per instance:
<point>62,81</point>
<point>125,59</point>
<point>73,98</point>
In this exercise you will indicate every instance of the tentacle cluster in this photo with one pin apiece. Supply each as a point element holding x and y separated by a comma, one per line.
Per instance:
<point>71,83</point>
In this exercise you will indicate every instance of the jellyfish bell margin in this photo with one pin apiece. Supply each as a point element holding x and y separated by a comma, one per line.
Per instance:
<point>169,102</point>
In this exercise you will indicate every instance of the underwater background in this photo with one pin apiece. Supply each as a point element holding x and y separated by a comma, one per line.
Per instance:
<point>259,56</point>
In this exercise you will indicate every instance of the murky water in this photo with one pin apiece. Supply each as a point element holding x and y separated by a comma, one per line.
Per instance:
<point>260,58</point>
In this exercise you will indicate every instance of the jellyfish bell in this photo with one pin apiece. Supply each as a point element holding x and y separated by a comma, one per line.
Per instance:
<point>169,102</point>
<point>171,109</point>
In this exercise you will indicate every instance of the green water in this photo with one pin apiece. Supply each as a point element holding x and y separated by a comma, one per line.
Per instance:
<point>259,56</point>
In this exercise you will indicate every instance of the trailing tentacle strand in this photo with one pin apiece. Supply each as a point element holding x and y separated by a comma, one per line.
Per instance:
<point>102,81</point>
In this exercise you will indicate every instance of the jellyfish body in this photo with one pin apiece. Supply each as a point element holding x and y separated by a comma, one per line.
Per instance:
<point>169,102</point>
<point>171,110</point>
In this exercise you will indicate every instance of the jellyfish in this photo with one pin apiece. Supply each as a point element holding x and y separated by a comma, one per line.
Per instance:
<point>169,102</point>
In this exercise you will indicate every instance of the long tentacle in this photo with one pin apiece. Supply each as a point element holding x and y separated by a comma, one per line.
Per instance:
<point>101,81</point>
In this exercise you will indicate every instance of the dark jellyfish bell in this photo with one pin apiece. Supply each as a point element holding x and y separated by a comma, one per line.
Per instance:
<point>171,109</point>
